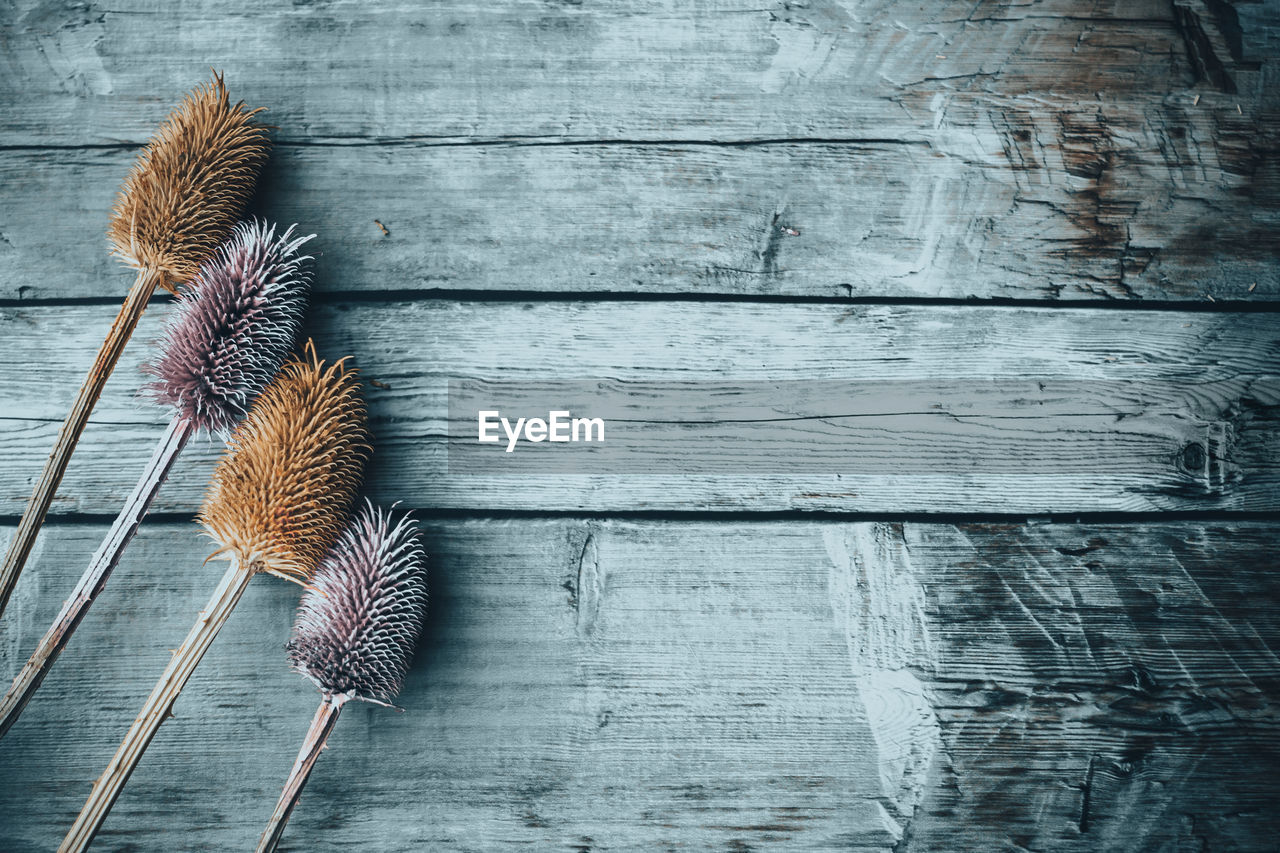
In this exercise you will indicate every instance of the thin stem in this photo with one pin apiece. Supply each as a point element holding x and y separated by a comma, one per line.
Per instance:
<point>321,726</point>
<point>94,579</point>
<point>56,465</point>
<point>158,708</point>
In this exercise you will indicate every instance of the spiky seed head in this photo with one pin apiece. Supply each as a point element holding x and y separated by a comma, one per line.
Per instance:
<point>233,327</point>
<point>188,187</point>
<point>364,609</point>
<point>281,493</point>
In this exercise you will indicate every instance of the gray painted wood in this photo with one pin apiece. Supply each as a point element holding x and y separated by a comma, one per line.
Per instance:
<point>1114,411</point>
<point>781,219</point>
<point>346,71</point>
<point>1033,151</point>
<point>594,684</point>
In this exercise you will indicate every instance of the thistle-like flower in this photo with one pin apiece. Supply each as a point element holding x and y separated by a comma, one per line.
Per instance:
<point>187,188</point>
<point>228,337</point>
<point>234,326</point>
<point>280,498</point>
<point>355,633</point>
<point>360,618</point>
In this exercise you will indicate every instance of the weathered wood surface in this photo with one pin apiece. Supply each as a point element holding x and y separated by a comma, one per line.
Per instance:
<point>1115,411</point>
<point>589,684</point>
<point>623,70</point>
<point>780,219</point>
<point>1050,150</point>
<point>592,682</point>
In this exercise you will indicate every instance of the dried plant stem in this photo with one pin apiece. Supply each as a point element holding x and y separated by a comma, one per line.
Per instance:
<point>95,576</point>
<point>121,330</point>
<point>158,707</point>
<point>321,726</point>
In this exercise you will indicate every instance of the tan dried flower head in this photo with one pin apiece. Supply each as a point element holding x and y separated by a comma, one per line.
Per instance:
<point>282,493</point>
<point>187,189</point>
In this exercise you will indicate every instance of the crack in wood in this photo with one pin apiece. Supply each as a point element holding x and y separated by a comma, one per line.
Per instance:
<point>588,585</point>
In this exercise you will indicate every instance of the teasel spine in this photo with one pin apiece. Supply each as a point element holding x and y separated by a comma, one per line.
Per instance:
<point>294,464</point>
<point>232,329</point>
<point>181,199</point>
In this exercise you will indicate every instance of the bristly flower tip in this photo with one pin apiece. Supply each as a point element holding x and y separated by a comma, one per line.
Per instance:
<point>187,188</point>
<point>233,327</point>
<point>364,610</point>
<point>281,494</point>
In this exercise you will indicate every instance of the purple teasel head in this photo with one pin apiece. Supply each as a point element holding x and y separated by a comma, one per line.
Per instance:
<point>364,608</point>
<point>235,324</point>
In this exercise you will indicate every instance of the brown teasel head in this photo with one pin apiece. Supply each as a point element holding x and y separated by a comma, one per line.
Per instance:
<point>188,187</point>
<point>364,609</point>
<point>281,494</point>
<point>234,325</point>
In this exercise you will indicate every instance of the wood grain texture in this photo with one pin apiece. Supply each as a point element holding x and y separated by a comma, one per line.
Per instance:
<point>1125,150</point>
<point>591,684</point>
<point>620,70</point>
<point>594,682</point>
<point>1159,410</point>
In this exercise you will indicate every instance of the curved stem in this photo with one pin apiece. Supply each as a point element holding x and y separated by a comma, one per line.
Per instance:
<point>94,579</point>
<point>56,465</point>
<point>321,726</point>
<point>157,708</point>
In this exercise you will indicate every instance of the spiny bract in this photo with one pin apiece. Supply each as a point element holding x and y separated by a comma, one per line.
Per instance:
<point>360,618</point>
<point>187,188</point>
<point>233,327</point>
<point>281,494</point>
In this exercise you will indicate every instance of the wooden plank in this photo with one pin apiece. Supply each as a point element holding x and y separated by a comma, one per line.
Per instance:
<point>1022,410</point>
<point>783,219</point>
<point>625,70</point>
<point>599,684</point>
<point>1007,151</point>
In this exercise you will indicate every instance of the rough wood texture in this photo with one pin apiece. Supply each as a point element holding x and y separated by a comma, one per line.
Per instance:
<point>594,682</point>
<point>605,685</point>
<point>1109,411</point>
<point>1050,150</point>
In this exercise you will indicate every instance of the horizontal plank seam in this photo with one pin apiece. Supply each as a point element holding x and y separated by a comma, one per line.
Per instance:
<point>43,420</point>
<point>427,514</point>
<point>521,296</point>
<point>512,141</point>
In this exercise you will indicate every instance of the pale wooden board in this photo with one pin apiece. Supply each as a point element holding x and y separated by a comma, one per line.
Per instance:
<point>351,71</point>
<point>588,684</point>
<point>932,151</point>
<point>811,220</point>
<point>1126,395</point>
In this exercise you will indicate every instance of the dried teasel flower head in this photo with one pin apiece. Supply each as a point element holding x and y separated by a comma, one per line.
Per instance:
<point>188,187</point>
<point>364,609</point>
<point>281,494</point>
<point>234,326</point>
